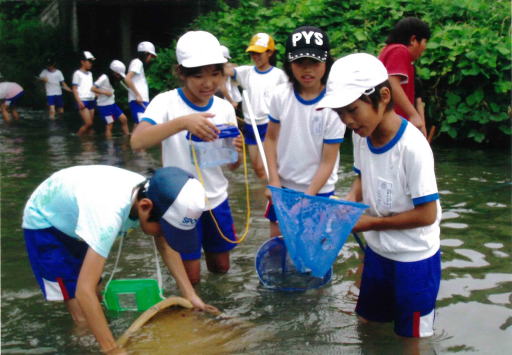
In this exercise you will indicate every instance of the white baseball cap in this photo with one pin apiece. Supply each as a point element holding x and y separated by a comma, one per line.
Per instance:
<point>146,47</point>
<point>118,67</point>
<point>199,48</point>
<point>86,55</point>
<point>350,77</point>
<point>225,52</point>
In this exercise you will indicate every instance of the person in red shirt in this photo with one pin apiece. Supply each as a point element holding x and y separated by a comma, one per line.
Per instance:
<point>404,45</point>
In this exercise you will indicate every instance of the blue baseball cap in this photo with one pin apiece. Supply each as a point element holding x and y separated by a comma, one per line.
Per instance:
<point>179,200</point>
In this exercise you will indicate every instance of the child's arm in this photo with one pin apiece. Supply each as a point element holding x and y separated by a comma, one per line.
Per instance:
<point>65,86</point>
<point>129,81</point>
<point>99,91</point>
<point>79,102</point>
<point>174,263</point>
<point>238,143</point>
<point>401,99</point>
<point>88,279</point>
<point>147,135</point>
<point>421,215</point>
<point>270,147</point>
<point>329,156</point>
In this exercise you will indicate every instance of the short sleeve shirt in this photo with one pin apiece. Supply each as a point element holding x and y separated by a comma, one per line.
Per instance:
<point>83,80</point>
<point>103,83</point>
<point>54,78</point>
<point>139,80</point>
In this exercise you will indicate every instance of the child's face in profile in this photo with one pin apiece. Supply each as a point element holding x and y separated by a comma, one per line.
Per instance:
<point>199,88</point>
<point>417,48</point>
<point>308,72</point>
<point>359,116</point>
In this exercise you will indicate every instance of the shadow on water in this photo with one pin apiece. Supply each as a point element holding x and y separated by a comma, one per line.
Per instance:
<point>474,312</point>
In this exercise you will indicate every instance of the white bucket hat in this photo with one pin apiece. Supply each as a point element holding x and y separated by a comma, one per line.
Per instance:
<point>146,47</point>
<point>350,77</point>
<point>118,67</point>
<point>199,48</point>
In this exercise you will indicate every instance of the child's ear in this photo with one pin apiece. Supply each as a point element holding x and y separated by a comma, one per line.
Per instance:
<point>385,95</point>
<point>412,40</point>
<point>144,206</point>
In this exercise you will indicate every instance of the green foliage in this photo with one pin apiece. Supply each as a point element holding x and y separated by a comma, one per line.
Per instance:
<point>465,69</point>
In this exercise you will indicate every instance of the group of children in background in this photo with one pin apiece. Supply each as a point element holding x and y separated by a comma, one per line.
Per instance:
<point>302,114</point>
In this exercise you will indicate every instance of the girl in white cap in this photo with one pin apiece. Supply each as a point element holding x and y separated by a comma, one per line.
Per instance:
<point>259,80</point>
<point>107,106</point>
<point>194,108</point>
<point>138,95</point>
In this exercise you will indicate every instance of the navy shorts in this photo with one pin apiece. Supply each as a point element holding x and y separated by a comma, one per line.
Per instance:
<point>110,113</point>
<point>270,212</point>
<point>55,100</point>
<point>89,104</point>
<point>401,292</point>
<point>56,259</point>
<point>249,137</point>
<point>12,101</point>
<point>209,236</point>
<point>137,110</point>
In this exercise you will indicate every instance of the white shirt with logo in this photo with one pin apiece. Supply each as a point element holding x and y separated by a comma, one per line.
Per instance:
<point>52,85</point>
<point>83,80</point>
<point>139,80</point>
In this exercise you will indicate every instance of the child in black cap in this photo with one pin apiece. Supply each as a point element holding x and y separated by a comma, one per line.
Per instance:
<point>311,166</point>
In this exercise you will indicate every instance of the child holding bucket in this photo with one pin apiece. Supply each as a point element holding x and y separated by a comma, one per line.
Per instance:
<point>107,106</point>
<point>395,167</point>
<point>194,108</point>
<point>302,144</point>
<point>72,219</point>
<point>259,80</point>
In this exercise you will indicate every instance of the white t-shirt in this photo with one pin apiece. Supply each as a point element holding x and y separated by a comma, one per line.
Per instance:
<point>233,90</point>
<point>259,86</point>
<point>90,203</point>
<point>9,89</point>
<point>103,83</point>
<point>176,149</point>
<point>395,178</point>
<point>52,86</point>
<point>139,80</point>
<point>302,135</point>
<point>83,79</point>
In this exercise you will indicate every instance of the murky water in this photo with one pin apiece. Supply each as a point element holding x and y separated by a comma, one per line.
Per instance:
<point>474,312</point>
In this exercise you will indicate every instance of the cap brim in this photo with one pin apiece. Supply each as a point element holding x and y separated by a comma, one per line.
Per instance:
<point>257,49</point>
<point>336,100</point>
<point>201,62</point>
<point>183,241</point>
<point>312,53</point>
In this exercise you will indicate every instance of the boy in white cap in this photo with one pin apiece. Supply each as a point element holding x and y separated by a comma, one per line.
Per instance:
<point>107,106</point>
<point>195,108</point>
<point>395,167</point>
<point>53,85</point>
<point>138,93</point>
<point>81,85</point>
<point>72,219</point>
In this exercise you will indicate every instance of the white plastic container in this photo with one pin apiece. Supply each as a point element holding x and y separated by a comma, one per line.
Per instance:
<point>218,152</point>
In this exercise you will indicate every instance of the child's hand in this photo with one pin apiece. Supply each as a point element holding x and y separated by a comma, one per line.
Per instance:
<point>199,304</point>
<point>363,224</point>
<point>200,126</point>
<point>139,99</point>
<point>81,105</point>
<point>238,143</point>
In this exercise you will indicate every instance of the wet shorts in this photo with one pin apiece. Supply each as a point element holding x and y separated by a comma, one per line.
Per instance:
<point>55,100</point>
<point>209,236</point>
<point>137,110</point>
<point>110,113</point>
<point>89,104</point>
<point>270,212</point>
<point>249,137</point>
<point>56,259</point>
<point>401,292</point>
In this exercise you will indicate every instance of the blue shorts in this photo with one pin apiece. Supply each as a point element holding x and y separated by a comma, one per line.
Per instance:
<point>89,104</point>
<point>209,237</point>
<point>110,113</point>
<point>11,101</point>
<point>56,259</point>
<point>55,100</point>
<point>249,137</point>
<point>270,212</point>
<point>137,110</point>
<point>401,292</point>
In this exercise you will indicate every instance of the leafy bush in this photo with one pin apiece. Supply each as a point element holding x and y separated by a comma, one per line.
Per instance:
<point>465,69</point>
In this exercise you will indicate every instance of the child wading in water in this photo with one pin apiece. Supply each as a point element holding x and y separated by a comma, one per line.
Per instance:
<point>195,108</point>
<point>53,84</point>
<point>84,97</point>
<point>396,178</point>
<point>106,100</point>
<point>302,144</point>
<point>259,80</point>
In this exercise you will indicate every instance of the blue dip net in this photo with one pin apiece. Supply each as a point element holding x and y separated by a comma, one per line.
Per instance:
<point>314,228</point>
<point>276,270</point>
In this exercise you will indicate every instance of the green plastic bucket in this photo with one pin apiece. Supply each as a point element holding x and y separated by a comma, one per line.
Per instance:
<point>131,294</point>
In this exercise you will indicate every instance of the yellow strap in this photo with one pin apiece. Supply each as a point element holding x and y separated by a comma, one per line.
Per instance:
<point>247,197</point>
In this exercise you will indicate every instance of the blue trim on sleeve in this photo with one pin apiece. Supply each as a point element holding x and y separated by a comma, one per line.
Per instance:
<point>234,75</point>
<point>194,106</point>
<point>391,143</point>
<point>356,170</point>
<point>309,102</point>
<point>275,120</point>
<point>263,72</point>
<point>333,141</point>
<point>424,199</point>
<point>149,120</point>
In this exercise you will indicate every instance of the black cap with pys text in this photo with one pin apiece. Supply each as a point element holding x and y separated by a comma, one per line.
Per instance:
<point>307,42</point>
